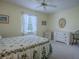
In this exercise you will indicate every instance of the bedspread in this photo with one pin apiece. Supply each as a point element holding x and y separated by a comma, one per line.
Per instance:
<point>24,47</point>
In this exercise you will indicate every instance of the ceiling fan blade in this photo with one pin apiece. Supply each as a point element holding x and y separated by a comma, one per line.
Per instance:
<point>51,5</point>
<point>39,6</point>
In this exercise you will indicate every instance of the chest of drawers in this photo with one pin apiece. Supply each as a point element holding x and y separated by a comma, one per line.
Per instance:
<point>62,37</point>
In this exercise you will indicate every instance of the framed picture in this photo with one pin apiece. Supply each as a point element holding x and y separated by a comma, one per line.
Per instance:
<point>62,22</point>
<point>43,22</point>
<point>4,19</point>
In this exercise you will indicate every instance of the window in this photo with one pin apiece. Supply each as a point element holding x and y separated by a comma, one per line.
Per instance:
<point>29,24</point>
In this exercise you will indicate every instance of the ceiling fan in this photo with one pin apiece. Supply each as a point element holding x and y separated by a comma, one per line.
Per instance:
<point>44,4</point>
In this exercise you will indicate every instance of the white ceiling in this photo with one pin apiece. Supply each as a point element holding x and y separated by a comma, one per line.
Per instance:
<point>33,4</point>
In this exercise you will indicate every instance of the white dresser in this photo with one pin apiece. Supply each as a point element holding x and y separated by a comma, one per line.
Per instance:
<point>62,36</point>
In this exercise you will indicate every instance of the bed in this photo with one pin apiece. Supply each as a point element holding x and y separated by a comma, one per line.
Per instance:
<point>24,47</point>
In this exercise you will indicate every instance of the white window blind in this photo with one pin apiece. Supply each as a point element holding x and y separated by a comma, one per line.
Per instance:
<point>29,24</point>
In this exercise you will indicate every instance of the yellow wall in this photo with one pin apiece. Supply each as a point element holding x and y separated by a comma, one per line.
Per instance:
<point>15,12</point>
<point>72,20</point>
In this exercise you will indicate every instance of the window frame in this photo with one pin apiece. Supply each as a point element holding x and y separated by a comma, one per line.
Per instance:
<point>22,27</point>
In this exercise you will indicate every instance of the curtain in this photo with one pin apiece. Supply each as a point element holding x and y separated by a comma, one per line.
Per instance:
<point>29,24</point>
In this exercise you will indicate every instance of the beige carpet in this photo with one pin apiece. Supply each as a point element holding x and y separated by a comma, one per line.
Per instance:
<point>62,51</point>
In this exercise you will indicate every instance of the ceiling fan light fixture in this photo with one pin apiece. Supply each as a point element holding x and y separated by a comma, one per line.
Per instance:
<point>44,4</point>
<point>44,7</point>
